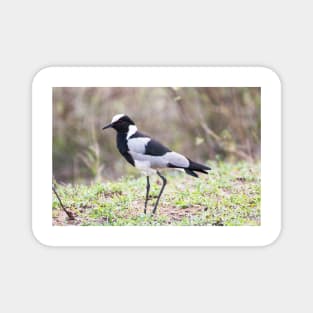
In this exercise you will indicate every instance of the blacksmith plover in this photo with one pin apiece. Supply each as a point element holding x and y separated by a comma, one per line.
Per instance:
<point>148,155</point>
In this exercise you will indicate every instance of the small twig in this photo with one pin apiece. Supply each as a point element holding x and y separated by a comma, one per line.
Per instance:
<point>69,214</point>
<point>219,141</point>
<point>210,132</point>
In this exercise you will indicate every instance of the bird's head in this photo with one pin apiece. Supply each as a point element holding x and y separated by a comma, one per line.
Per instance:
<point>120,123</point>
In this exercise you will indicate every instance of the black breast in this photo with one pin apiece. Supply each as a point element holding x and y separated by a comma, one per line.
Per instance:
<point>122,147</point>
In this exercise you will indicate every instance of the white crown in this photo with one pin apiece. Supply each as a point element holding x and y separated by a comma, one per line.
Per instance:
<point>117,117</point>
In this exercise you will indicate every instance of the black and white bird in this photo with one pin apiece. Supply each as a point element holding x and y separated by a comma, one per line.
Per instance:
<point>148,155</point>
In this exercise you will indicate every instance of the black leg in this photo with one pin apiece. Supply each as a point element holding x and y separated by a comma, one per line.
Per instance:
<point>164,183</point>
<point>147,194</point>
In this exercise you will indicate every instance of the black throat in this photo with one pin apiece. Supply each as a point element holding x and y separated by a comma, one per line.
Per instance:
<point>121,141</point>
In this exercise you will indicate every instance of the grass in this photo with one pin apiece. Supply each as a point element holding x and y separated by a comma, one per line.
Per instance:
<point>229,196</point>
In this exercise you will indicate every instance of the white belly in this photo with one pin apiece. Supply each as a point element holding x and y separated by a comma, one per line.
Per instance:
<point>145,167</point>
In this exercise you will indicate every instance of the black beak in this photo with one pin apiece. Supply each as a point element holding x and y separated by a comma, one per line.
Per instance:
<point>108,126</point>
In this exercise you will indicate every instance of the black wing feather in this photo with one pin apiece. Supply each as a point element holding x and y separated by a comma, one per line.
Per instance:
<point>153,147</point>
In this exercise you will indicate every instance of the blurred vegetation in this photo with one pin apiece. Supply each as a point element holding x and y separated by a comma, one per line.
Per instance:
<point>202,123</point>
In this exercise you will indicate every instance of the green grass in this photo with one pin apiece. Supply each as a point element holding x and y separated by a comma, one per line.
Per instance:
<point>229,196</point>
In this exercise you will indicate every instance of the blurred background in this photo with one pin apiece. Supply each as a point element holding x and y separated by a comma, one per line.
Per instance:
<point>202,123</point>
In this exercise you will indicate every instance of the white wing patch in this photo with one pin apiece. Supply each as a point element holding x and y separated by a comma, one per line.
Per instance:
<point>138,145</point>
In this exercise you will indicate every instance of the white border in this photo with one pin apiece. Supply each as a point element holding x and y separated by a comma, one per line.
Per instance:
<point>262,77</point>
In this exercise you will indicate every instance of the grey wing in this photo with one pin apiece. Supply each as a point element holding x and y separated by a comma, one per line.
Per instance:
<point>156,148</point>
<point>164,156</point>
<point>138,144</point>
<point>145,149</point>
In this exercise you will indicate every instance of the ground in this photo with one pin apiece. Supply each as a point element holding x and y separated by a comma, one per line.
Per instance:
<point>228,196</point>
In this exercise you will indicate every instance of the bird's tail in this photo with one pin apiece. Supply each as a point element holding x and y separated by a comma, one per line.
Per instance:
<point>196,167</point>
